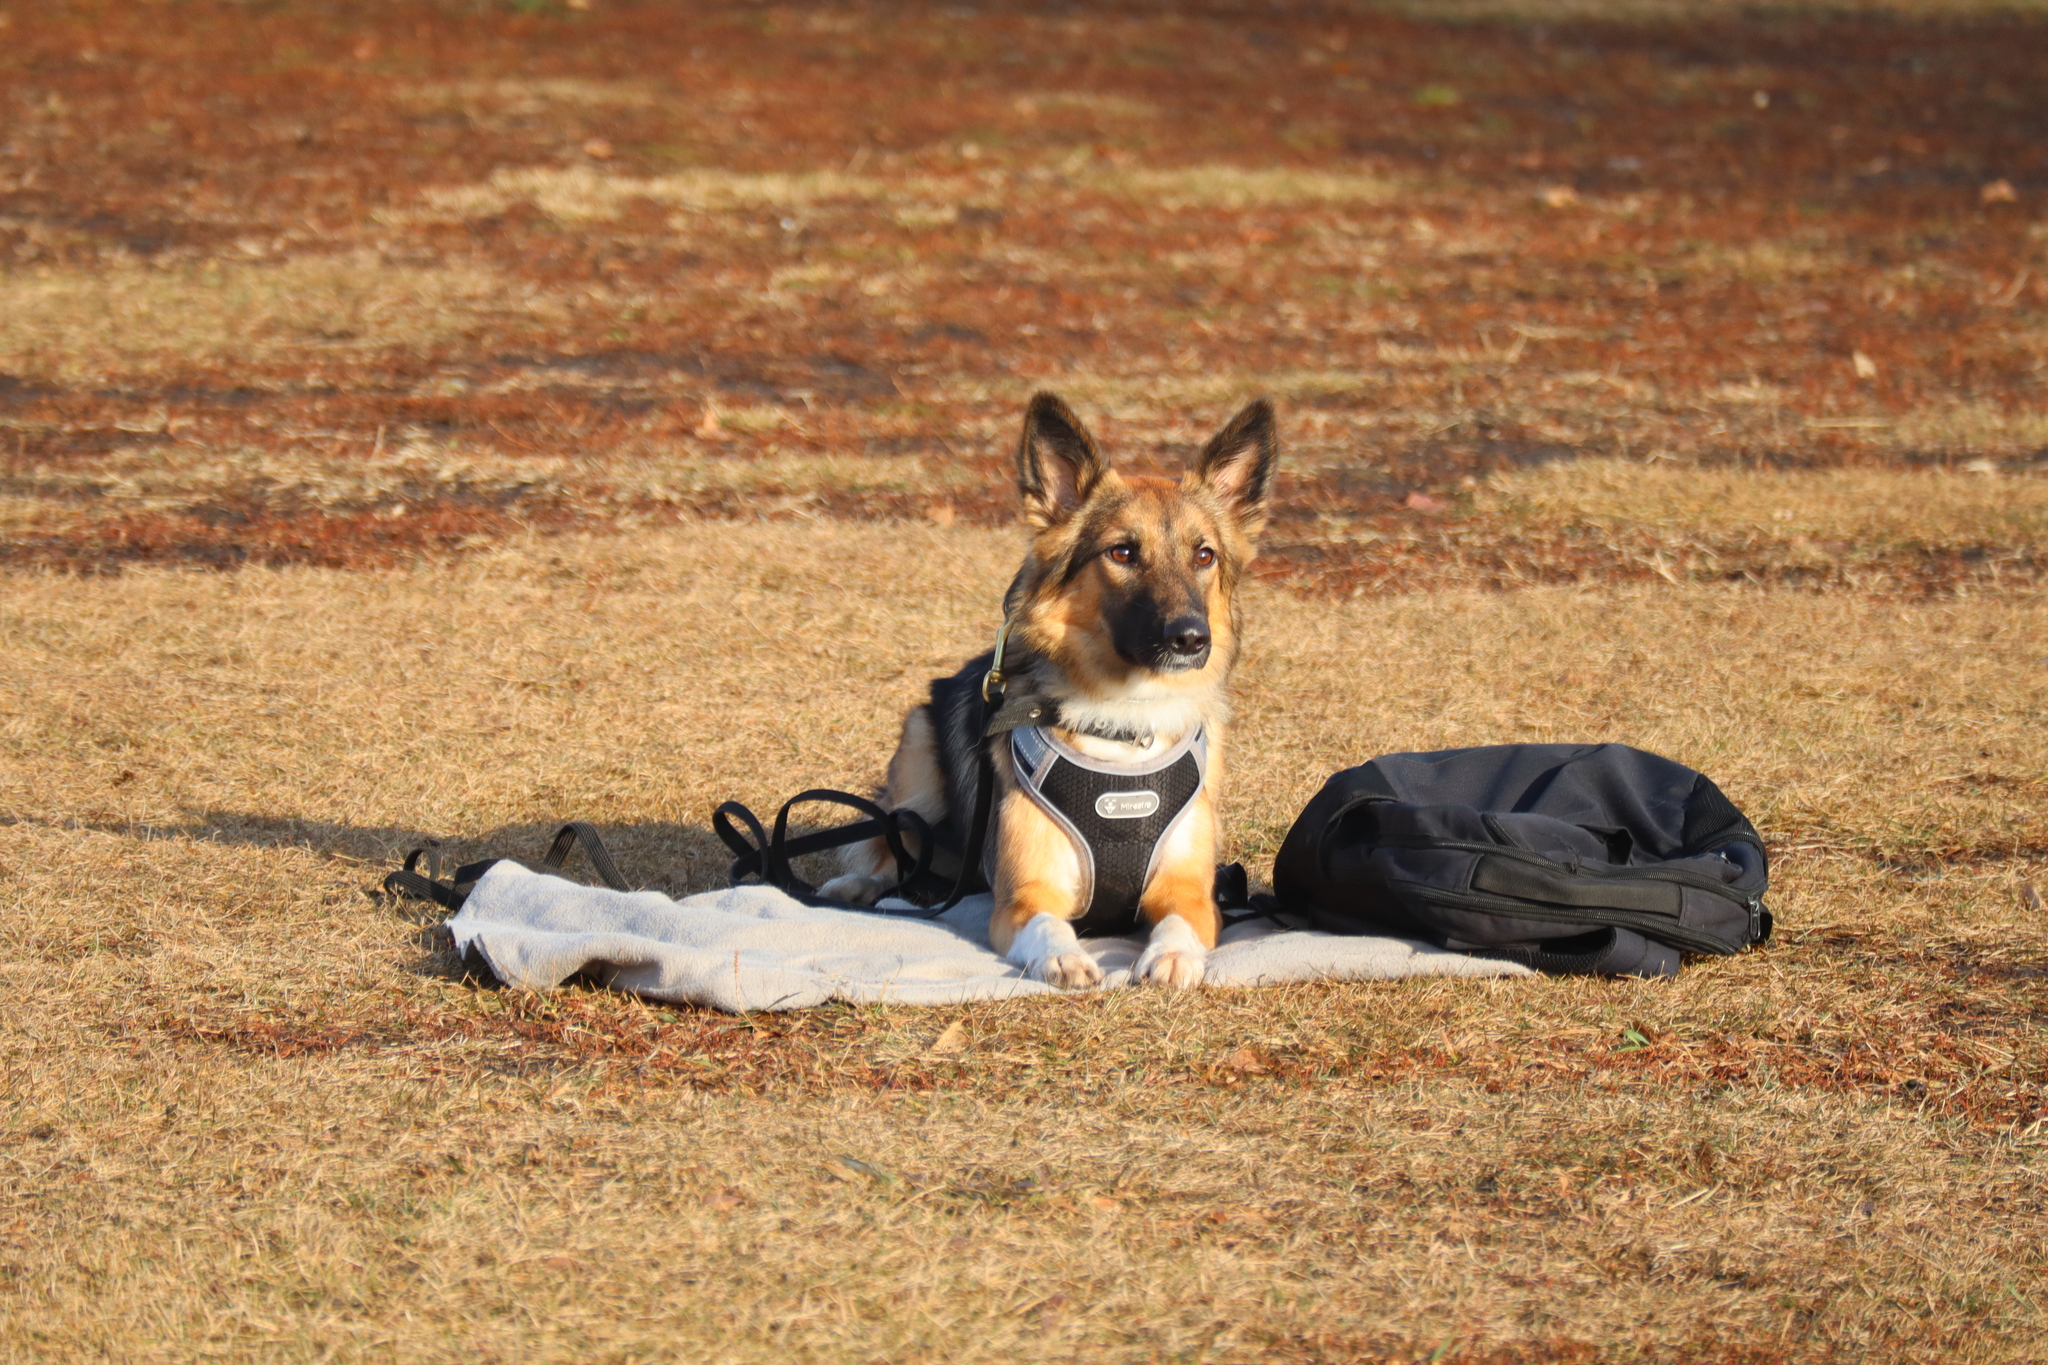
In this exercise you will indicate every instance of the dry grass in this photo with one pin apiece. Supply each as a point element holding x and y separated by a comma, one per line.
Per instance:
<point>1237,187</point>
<point>1970,428</point>
<point>1871,509</point>
<point>1610,11</point>
<point>129,316</point>
<point>1588,410</point>
<point>247,1116</point>
<point>528,96</point>
<point>443,305</point>
<point>533,645</point>
<point>575,194</point>
<point>408,464</point>
<point>579,193</point>
<point>482,240</point>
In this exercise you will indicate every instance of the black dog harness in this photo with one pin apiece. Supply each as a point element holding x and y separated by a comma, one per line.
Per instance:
<point>1118,815</point>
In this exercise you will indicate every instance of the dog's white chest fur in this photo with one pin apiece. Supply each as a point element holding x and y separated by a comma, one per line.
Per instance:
<point>1162,717</point>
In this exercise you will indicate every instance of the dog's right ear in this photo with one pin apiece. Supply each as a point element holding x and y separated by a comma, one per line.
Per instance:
<point>1057,462</point>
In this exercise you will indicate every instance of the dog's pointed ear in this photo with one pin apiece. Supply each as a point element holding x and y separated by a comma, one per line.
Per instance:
<point>1238,464</point>
<point>1057,462</point>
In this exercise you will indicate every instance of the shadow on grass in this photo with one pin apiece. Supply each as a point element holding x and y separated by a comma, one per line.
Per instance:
<point>672,858</point>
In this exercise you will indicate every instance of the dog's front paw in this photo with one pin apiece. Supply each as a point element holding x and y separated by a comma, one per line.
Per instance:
<point>1048,951</point>
<point>1068,971</point>
<point>1175,971</point>
<point>1175,957</point>
<point>856,889</point>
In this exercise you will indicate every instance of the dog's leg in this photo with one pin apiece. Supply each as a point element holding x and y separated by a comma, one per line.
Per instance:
<point>867,871</point>
<point>1038,881</point>
<point>1180,904</point>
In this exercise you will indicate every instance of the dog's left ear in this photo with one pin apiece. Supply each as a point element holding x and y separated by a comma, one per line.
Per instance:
<point>1238,464</point>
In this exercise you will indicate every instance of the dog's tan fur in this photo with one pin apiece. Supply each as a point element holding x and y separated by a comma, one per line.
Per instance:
<point>1101,542</point>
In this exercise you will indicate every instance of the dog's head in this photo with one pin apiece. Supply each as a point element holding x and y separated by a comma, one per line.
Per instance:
<point>1138,576</point>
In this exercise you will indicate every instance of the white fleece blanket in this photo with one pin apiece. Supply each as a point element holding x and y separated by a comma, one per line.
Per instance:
<point>753,948</point>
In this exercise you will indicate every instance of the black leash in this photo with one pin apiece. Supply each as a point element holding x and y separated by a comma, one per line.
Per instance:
<point>450,894</point>
<point>767,853</point>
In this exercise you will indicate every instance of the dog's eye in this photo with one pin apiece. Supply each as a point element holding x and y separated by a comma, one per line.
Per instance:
<point>1204,557</point>
<point>1124,554</point>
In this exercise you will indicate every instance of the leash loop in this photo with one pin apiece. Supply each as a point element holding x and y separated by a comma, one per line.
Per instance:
<point>776,870</point>
<point>767,853</point>
<point>583,834</point>
<point>450,894</point>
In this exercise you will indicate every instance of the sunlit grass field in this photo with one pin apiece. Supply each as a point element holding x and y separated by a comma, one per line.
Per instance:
<point>446,420</point>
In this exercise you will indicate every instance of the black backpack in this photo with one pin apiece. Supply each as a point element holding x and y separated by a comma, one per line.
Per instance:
<point>1587,859</point>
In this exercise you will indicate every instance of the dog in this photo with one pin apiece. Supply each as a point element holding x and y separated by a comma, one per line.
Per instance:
<point>1124,619</point>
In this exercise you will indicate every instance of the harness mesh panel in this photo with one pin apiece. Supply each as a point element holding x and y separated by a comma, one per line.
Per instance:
<point>1122,848</point>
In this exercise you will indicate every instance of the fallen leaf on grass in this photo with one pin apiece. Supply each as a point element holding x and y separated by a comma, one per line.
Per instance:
<point>1423,502</point>
<point>1866,368</point>
<point>1237,1215</point>
<point>1246,1061</point>
<point>949,1043</point>
<point>1999,191</point>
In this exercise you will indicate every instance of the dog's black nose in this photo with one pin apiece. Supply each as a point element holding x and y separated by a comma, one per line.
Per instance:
<point>1187,636</point>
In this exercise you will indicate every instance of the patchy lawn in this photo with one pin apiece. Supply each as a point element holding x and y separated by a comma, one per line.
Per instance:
<point>253,1112</point>
<point>389,282</point>
<point>447,419</point>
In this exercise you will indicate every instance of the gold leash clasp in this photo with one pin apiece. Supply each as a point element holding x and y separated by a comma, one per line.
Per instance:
<point>992,681</point>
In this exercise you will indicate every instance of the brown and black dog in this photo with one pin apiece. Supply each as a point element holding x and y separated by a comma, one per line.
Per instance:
<point>1124,615</point>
